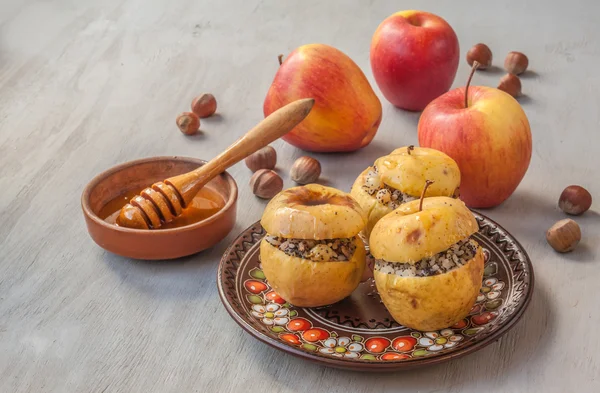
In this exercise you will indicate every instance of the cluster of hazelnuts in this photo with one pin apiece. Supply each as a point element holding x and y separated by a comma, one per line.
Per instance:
<point>266,183</point>
<point>515,64</point>
<point>205,105</point>
<point>566,234</point>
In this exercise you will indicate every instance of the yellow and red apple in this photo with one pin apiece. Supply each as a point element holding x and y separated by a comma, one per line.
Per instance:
<point>490,140</point>
<point>414,58</point>
<point>346,113</point>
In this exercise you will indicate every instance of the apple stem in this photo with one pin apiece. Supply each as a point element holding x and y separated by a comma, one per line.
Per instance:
<point>408,149</point>
<point>427,184</point>
<point>475,66</point>
<point>280,58</point>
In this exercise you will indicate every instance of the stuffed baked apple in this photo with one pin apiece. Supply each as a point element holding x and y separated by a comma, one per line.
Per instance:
<point>400,177</point>
<point>428,268</point>
<point>311,254</point>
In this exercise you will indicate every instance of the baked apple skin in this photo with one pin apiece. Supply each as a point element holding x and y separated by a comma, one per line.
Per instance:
<point>406,169</point>
<point>435,302</point>
<point>313,212</point>
<point>305,283</point>
<point>409,234</point>
<point>369,203</point>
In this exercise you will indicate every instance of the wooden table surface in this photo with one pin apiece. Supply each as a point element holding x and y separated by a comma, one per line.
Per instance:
<point>85,85</point>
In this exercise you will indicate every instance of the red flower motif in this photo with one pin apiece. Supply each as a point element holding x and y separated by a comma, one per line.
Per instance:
<point>484,318</point>
<point>274,297</point>
<point>315,334</point>
<point>298,325</point>
<point>394,356</point>
<point>255,287</point>
<point>290,338</point>
<point>377,344</point>
<point>404,344</point>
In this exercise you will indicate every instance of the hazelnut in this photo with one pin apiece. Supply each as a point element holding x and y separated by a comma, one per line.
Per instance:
<point>305,170</point>
<point>204,105</point>
<point>188,123</point>
<point>516,63</point>
<point>575,200</point>
<point>510,84</point>
<point>564,235</point>
<point>265,158</point>
<point>480,53</point>
<point>265,183</point>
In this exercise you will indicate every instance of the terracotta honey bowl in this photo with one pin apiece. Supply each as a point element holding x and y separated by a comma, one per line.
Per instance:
<point>169,207</point>
<point>167,243</point>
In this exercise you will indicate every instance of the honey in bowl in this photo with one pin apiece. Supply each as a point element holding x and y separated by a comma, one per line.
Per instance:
<point>205,204</point>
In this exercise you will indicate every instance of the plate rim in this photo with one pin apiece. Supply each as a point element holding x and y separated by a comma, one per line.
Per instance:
<point>371,365</point>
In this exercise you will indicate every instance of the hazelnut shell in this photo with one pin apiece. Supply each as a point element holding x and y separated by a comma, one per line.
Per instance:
<point>480,53</point>
<point>188,123</point>
<point>266,184</point>
<point>265,158</point>
<point>516,63</point>
<point>575,200</point>
<point>510,84</point>
<point>204,105</point>
<point>305,170</point>
<point>564,235</point>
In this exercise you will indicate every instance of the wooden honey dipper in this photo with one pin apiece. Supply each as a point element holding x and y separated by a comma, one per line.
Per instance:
<point>164,201</point>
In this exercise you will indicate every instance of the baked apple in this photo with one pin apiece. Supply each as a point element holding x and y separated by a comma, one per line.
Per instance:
<point>428,269</point>
<point>400,177</point>
<point>311,254</point>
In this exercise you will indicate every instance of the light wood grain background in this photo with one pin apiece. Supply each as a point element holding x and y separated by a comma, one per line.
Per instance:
<point>85,85</point>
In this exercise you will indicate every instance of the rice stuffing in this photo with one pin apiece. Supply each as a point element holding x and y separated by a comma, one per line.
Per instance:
<point>384,194</point>
<point>316,250</point>
<point>456,256</point>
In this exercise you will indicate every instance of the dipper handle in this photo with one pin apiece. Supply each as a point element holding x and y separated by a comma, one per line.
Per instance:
<point>165,200</point>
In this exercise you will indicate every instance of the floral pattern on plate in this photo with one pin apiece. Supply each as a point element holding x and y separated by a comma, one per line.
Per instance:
<point>361,334</point>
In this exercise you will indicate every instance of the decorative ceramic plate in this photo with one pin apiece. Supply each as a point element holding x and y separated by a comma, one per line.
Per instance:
<point>358,332</point>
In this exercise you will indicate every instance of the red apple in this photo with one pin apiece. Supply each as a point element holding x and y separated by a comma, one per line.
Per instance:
<point>489,139</point>
<point>346,113</point>
<point>414,57</point>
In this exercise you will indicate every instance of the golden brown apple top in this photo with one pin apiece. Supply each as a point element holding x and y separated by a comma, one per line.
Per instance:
<point>407,168</point>
<point>313,212</point>
<point>407,235</point>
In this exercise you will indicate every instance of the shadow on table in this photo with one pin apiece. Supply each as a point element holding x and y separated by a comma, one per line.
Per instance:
<point>529,74</point>
<point>494,70</point>
<point>411,117</point>
<point>525,99</point>
<point>215,118</point>
<point>526,215</point>
<point>187,277</point>
<point>526,343</point>
<point>583,253</point>
<point>586,251</point>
